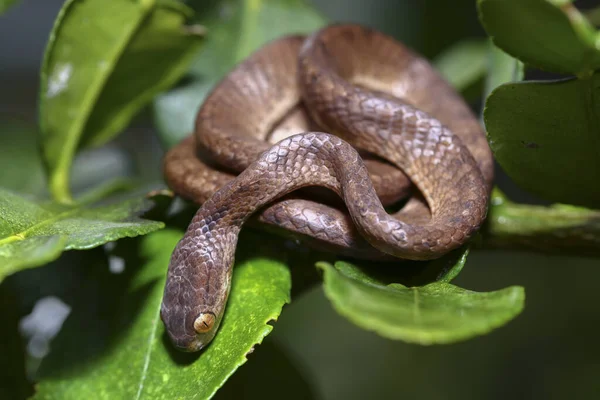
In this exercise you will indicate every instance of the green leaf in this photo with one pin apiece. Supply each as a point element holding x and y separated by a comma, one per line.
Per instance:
<point>137,359</point>
<point>436,313</point>
<point>104,61</point>
<point>545,136</point>
<point>234,30</point>
<point>33,233</point>
<point>464,63</point>
<point>548,36</point>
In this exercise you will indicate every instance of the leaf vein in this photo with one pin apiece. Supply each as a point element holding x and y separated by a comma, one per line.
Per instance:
<point>148,355</point>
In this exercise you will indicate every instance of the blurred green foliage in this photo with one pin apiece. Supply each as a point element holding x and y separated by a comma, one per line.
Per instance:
<point>113,345</point>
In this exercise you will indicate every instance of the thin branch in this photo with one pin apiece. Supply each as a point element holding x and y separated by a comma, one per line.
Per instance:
<point>554,229</point>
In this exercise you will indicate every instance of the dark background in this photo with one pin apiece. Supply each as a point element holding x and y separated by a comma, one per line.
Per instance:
<point>550,351</point>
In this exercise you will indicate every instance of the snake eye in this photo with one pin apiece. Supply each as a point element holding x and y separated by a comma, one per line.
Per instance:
<point>204,322</point>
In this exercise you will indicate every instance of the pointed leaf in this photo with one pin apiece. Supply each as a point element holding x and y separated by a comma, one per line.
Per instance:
<point>104,61</point>
<point>140,362</point>
<point>34,233</point>
<point>436,313</point>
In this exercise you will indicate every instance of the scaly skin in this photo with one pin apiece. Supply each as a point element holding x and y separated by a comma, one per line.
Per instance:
<point>363,87</point>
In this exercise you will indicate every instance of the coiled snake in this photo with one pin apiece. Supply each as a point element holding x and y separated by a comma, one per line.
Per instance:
<point>370,94</point>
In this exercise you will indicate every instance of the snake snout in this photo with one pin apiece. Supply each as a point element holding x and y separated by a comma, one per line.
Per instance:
<point>186,341</point>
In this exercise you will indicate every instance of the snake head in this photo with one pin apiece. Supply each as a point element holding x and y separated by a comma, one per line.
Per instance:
<point>194,298</point>
<point>204,326</point>
<point>190,326</point>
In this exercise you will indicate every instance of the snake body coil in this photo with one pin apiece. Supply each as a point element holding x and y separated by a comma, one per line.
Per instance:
<point>372,95</point>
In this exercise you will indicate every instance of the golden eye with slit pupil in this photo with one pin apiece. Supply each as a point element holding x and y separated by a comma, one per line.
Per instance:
<point>204,322</point>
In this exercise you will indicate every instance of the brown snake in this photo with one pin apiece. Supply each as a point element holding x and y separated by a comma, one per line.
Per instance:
<point>360,86</point>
